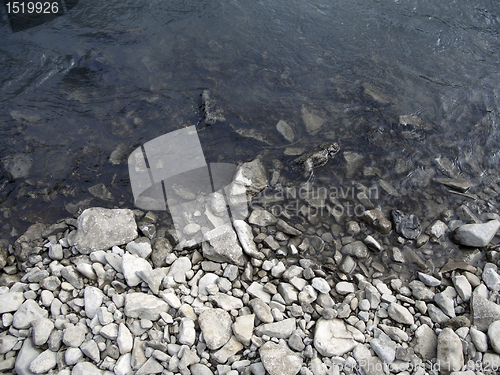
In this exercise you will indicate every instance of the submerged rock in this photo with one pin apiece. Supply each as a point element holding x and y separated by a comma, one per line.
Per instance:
<point>285,130</point>
<point>377,220</point>
<point>406,225</point>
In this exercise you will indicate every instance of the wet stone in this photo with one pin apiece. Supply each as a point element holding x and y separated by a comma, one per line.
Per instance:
<point>476,235</point>
<point>377,220</point>
<point>356,249</point>
<point>406,225</point>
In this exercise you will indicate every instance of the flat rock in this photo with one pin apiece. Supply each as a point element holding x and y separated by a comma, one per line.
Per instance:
<point>150,367</point>
<point>476,235</point>
<point>222,246</point>
<point>426,342</point>
<point>216,327</point>
<point>450,355</point>
<point>279,360</point>
<point>261,310</point>
<point>85,368</point>
<point>100,229</point>
<point>44,362</point>
<point>144,306</point>
<point>483,312</point>
<point>73,336</point>
<point>285,130</point>
<point>282,329</point>
<point>11,301</point>
<point>284,227</point>
<point>232,347</point>
<point>332,338</point>
<point>400,314</point>
<point>227,302</point>
<point>406,225</point>
<point>26,355</point>
<point>262,218</point>
<point>436,229</point>
<point>463,287</point>
<point>257,290</point>
<point>27,314</point>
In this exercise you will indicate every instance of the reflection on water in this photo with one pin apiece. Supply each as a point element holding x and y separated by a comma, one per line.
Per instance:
<point>408,88</point>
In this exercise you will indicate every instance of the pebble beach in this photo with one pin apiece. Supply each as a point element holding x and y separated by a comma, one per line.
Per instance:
<point>112,291</point>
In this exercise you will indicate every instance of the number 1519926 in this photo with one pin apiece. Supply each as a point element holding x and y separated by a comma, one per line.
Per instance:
<point>32,7</point>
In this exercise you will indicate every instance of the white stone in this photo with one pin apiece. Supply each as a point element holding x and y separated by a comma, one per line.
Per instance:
<point>41,330</point>
<point>279,360</point>
<point>332,338</point>
<point>479,339</point>
<point>494,335</point>
<point>282,329</point>
<point>216,327</point>
<point>462,287</point>
<point>44,362</point>
<point>400,314</point>
<point>243,328</point>
<point>93,300</point>
<point>476,235</point>
<point>321,285</point>
<point>257,290</point>
<point>27,314</point>
<point>144,306</point>
<point>125,340</point>
<point>450,355</point>
<point>10,302</point>
<point>131,264</point>
<point>244,232</point>
<point>187,332</point>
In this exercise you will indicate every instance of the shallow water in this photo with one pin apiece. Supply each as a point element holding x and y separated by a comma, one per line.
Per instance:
<point>117,74</point>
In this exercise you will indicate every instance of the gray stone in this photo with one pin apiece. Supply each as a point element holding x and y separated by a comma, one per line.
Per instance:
<point>343,288</point>
<point>420,291</point>
<point>222,246</point>
<point>450,356</point>
<point>428,280</point>
<point>356,249</point>
<point>91,350</point>
<point>232,347</point>
<point>426,342</point>
<point>216,327</point>
<point>288,292</point>
<point>85,368</point>
<point>244,232</point>
<point>385,349</point>
<point>285,130</point>
<point>282,329</point>
<point>284,227</point>
<point>179,268</point>
<point>476,235</point>
<point>72,356</point>
<point>436,229</point>
<point>72,276</point>
<point>494,335</point>
<point>369,364</point>
<point>44,362</point>
<point>483,312</point>
<point>227,302</point>
<point>257,290</point>
<point>479,339</point>
<point>140,246</point>
<point>125,340</point>
<point>436,314</point>
<point>492,279</point>
<point>446,304</point>
<point>42,328</point>
<point>400,314</point>
<point>144,306</point>
<point>100,229</point>
<point>27,314</point>
<point>463,287</point>
<point>321,285</point>
<point>373,244</point>
<point>150,367</point>
<point>10,302</point>
<point>262,218</point>
<point>279,360</point>
<point>93,298</point>
<point>261,310</point>
<point>161,248</point>
<point>73,336</point>
<point>200,369</point>
<point>332,338</point>
<point>123,366</point>
<point>26,355</point>
<point>7,342</point>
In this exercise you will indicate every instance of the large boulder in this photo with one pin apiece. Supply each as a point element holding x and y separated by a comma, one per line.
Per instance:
<point>101,228</point>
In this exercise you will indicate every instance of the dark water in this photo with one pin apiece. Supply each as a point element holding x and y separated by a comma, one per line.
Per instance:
<point>115,74</point>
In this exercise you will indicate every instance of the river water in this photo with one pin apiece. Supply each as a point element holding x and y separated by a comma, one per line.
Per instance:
<point>409,89</point>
